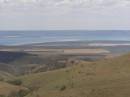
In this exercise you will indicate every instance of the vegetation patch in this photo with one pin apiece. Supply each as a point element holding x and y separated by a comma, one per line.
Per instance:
<point>63,87</point>
<point>15,82</point>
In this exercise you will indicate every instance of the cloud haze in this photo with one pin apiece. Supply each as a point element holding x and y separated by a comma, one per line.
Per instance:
<point>64,14</point>
<point>48,4</point>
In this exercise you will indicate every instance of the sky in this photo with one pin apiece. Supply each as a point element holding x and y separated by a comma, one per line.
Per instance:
<point>64,14</point>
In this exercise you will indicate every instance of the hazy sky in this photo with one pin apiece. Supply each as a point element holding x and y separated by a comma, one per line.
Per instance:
<point>64,14</point>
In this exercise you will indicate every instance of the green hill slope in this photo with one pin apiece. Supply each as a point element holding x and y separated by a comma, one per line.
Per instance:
<point>106,78</point>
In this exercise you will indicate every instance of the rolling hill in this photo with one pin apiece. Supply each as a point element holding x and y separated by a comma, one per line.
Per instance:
<point>19,63</point>
<point>42,73</point>
<point>6,89</point>
<point>4,76</point>
<point>105,78</point>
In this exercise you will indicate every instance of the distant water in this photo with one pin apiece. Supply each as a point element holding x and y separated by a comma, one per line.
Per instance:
<point>27,37</point>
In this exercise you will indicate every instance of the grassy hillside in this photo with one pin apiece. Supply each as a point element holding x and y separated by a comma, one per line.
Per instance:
<point>8,90</point>
<point>106,78</point>
<point>4,76</point>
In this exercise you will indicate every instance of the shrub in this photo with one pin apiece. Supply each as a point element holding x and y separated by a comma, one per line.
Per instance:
<point>1,79</point>
<point>20,93</point>
<point>2,96</point>
<point>62,88</point>
<point>23,93</point>
<point>16,82</point>
<point>34,88</point>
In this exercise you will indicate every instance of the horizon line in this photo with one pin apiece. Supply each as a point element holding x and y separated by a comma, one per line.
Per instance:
<point>72,30</point>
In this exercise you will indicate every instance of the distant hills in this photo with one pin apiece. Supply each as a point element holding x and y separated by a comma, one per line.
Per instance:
<point>81,43</point>
<point>18,63</point>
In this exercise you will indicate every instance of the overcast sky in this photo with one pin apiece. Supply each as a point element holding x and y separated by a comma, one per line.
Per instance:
<point>64,14</point>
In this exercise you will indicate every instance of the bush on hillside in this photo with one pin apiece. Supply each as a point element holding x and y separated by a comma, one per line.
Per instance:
<point>20,93</point>
<point>16,82</point>
<point>62,88</point>
<point>1,79</point>
<point>2,96</point>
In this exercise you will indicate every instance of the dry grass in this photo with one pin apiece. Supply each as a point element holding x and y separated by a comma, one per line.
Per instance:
<point>6,89</point>
<point>106,78</point>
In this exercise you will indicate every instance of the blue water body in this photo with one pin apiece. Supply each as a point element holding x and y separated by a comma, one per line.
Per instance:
<point>27,37</point>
